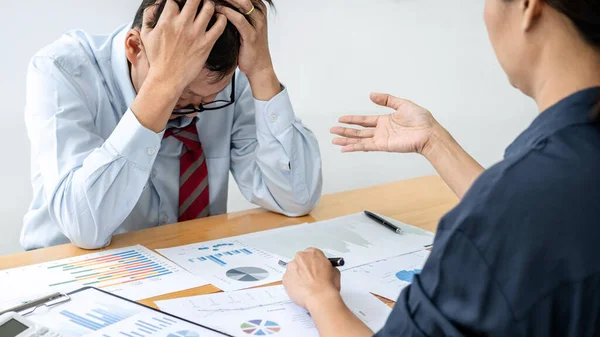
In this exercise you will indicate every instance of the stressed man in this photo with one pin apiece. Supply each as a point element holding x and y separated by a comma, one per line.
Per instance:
<point>141,128</point>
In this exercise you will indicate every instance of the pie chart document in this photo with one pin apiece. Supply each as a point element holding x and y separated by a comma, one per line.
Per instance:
<point>227,264</point>
<point>387,278</point>
<point>268,312</point>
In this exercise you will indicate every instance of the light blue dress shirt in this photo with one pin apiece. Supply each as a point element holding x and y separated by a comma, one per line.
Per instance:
<point>96,171</point>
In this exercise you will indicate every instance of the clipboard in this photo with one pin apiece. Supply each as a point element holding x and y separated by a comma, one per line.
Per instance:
<point>94,312</point>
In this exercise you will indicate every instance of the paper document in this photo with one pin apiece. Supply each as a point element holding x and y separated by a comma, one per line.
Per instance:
<point>227,264</point>
<point>268,311</point>
<point>388,277</point>
<point>134,272</point>
<point>98,315</point>
<point>356,238</point>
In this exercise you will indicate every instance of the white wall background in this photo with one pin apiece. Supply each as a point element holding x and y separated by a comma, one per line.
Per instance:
<point>330,54</point>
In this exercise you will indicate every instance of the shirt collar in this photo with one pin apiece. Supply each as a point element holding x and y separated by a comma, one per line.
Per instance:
<point>120,66</point>
<point>573,110</point>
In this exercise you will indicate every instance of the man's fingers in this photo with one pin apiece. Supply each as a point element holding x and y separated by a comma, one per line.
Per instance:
<point>243,5</point>
<point>239,21</point>
<point>387,100</point>
<point>206,13</point>
<point>352,133</point>
<point>217,29</point>
<point>170,11</point>
<point>364,121</point>
<point>191,8</point>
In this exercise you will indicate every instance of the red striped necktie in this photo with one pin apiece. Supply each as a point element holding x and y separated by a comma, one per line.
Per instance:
<point>194,199</point>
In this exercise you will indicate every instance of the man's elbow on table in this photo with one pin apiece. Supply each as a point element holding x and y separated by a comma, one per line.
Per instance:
<point>88,242</point>
<point>85,234</point>
<point>302,206</point>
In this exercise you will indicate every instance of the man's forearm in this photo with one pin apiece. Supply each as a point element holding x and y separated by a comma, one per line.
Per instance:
<point>265,85</point>
<point>155,102</point>
<point>458,169</point>
<point>333,319</point>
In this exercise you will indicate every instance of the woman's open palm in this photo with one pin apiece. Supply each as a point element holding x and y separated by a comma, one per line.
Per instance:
<point>406,130</point>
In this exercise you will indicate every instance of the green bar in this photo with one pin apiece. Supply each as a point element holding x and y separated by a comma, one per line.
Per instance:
<point>62,265</point>
<point>82,276</point>
<point>57,284</point>
<point>81,271</point>
<point>105,277</point>
<point>87,284</point>
<point>71,268</point>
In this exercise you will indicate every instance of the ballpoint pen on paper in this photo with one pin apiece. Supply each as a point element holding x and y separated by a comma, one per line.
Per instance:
<point>384,222</point>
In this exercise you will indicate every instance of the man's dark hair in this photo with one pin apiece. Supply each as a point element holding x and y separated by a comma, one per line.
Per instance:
<point>223,58</point>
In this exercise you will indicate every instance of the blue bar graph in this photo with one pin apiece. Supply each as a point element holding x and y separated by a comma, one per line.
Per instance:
<point>220,258</point>
<point>137,334</point>
<point>126,334</point>
<point>217,261</point>
<point>161,321</point>
<point>145,328</point>
<point>81,321</point>
<point>146,331</point>
<point>150,325</point>
<point>107,321</point>
<point>97,318</point>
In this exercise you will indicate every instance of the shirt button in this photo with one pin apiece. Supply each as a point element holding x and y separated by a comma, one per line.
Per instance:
<point>165,219</point>
<point>274,118</point>
<point>151,151</point>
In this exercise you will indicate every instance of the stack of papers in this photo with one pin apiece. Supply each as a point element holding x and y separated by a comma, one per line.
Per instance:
<point>252,260</point>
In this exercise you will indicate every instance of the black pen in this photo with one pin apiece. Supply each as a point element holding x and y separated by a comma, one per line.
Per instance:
<point>384,222</point>
<point>335,262</point>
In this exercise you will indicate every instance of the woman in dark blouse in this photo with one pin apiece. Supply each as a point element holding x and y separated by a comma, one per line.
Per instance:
<point>520,254</point>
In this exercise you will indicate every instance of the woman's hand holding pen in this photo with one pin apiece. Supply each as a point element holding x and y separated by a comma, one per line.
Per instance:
<point>311,278</point>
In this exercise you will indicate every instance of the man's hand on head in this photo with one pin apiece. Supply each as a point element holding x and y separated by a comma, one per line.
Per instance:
<point>255,57</point>
<point>179,45</point>
<point>176,50</point>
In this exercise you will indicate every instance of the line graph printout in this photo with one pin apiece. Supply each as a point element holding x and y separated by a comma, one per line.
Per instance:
<point>133,272</point>
<point>387,278</point>
<point>356,238</point>
<point>227,264</point>
<point>268,311</point>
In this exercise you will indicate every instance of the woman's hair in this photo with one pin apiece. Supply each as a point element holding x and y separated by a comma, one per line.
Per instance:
<point>585,15</point>
<point>224,55</point>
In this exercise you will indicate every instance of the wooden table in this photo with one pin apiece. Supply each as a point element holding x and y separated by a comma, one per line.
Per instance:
<point>420,202</point>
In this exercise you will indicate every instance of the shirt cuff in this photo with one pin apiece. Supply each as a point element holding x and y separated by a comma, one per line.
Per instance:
<point>274,116</point>
<point>134,142</point>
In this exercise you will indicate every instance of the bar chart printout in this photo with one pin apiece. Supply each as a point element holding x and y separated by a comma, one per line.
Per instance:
<point>98,315</point>
<point>134,272</point>
<point>227,264</point>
